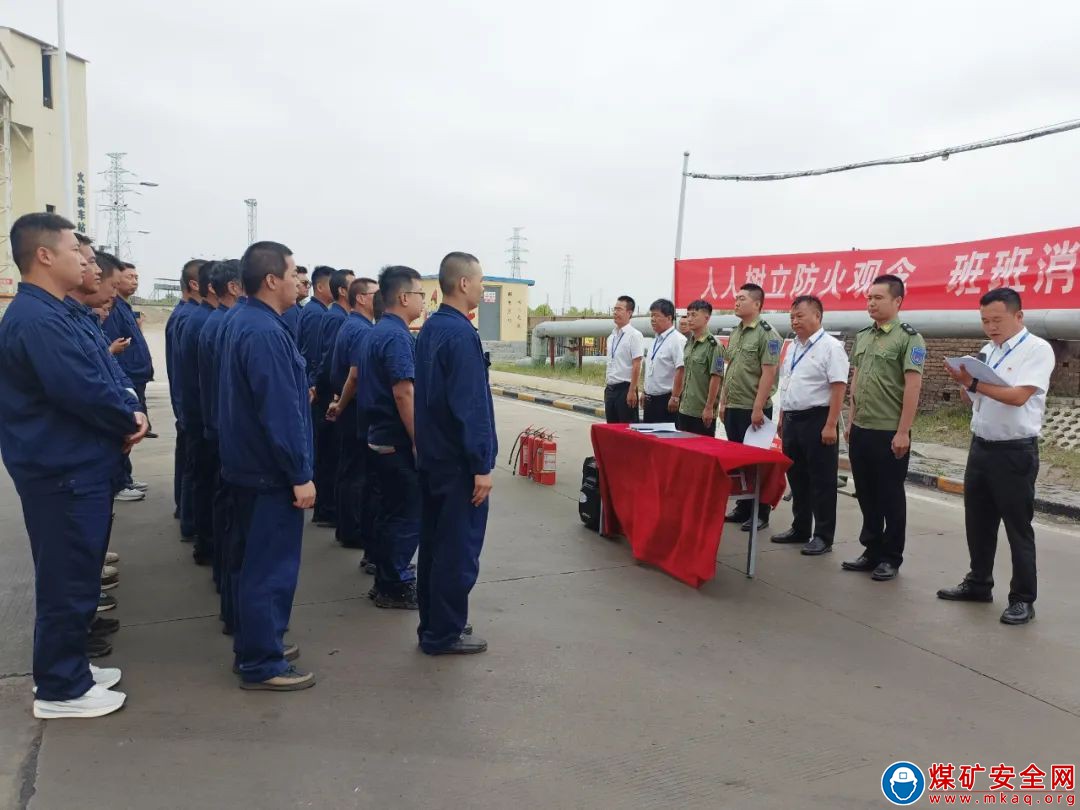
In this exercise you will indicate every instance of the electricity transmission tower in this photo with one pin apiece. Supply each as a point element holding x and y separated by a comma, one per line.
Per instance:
<point>568,272</point>
<point>253,219</point>
<point>516,250</point>
<point>119,182</point>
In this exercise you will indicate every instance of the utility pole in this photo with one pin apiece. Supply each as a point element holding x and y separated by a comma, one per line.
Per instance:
<point>253,219</point>
<point>568,273</point>
<point>116,209</point>
<point>516,250</point>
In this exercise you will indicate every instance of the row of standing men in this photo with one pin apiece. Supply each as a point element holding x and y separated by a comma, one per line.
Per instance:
<point>692,378</point>
<point>333,406</point>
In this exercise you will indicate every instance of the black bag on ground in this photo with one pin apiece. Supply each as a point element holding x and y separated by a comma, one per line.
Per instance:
<point>589,500</point>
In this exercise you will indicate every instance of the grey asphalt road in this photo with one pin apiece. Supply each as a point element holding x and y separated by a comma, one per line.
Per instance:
<point>608,684</point>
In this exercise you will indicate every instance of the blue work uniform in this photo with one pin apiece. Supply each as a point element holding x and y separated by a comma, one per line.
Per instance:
<point>291,316</point>
<point>198,465</point>
<point>135,359</point>
<point>352,465</point>
<point>176,317</point>
<point>326,433</point>
<point>264,432</point>
<point>208,390</point>
<point>455,440</point>
<point>311,318</point>
<point>63,421</point>
<point>388,358</point>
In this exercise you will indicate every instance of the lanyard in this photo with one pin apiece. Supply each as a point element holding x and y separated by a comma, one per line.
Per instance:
<point>659,342</point>
<point>797,358</point>
<point>615,343</point>
<point>1010,351</point>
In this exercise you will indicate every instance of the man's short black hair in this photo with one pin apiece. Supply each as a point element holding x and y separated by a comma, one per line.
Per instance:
<point>454,267</point>
<point>32,231</point>
<point>756,293</point>
<point>1006,295</point>
<point>83,239</point>
<point>319,273</point>
<point>896,284</point>
<point>664,307</point>
<point>127,265</point>
<point>628,302</point>
<point>339,282</point>
<point>108,263</point>
<point>190,272</point>
<point>699,305</point>
<point>812,300</point>
<point>360,287</point>
<point>223,274</point>
<point>260,260</point>
<point>395,280</point>
<point>206,273</point>
<point>301,270</point>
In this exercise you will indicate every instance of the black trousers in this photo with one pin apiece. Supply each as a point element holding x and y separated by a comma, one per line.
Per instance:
<point>999,486</point>
<point>616,411</point>
<point>879,486</point>
<point>695,424</point>
<point>812,475</point>
<point>736,422</point>
<point>326,460</point>
<point>654,409</point>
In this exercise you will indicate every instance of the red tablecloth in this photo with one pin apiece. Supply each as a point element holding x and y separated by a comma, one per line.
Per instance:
<point>669,496</point>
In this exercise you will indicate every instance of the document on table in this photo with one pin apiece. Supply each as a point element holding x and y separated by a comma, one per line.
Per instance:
<point>976,368</point>
<point>655,427</point>
<point>761,437</point>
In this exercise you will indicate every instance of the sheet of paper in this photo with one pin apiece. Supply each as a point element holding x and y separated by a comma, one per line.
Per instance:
<point>658,427</point>
<point>761,437</point>
<point>976,368</point>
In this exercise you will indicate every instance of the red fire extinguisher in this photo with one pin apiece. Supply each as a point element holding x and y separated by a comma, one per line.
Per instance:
<point>546,455</point>
<point>523,448</point>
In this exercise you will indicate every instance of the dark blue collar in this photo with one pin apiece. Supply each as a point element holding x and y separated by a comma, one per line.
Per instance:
<point>395,321</point>
<point>361,316</point>
<point>339,308</point>
<point>34,291</point>
<point>206,305</point>
<point>317,303</point>
<point>454,312</point>
<point>257,304</point>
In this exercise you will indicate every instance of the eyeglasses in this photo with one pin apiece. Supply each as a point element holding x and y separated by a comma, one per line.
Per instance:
<point>414,292</point>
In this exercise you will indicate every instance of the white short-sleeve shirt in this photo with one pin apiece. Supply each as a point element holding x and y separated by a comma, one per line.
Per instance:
<point>1023,360</point>
<point>662,360</point>
<point>624,347</point>
<point>809,371</point>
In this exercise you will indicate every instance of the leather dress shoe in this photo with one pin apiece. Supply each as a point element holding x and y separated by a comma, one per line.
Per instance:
<point>966,592</point>
<point>762,523</point>
<point>816,547</point>
<point>465,645</point>
<point>735,516</point>
<point>789,536</point>
<point>862,563</point>
<point>884,572</point>
<point>1018,613</point>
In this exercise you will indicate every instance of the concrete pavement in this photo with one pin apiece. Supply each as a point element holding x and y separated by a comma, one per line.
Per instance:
<point>607,685</point>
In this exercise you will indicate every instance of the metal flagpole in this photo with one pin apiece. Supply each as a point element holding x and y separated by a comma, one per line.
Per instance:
<point>679,222</point>
<point>65,117</point>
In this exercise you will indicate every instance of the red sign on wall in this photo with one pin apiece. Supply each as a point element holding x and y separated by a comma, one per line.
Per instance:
<point>1042,267</point>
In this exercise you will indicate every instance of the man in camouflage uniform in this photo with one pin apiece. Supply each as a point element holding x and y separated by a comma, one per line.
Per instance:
<point>697,383</point>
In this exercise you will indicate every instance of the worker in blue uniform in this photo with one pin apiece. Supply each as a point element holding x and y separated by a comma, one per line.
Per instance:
<point>456,448</point>
<point>326,437</point>
<point>291,316</point>
<point>385,394</point>
<point>189,304</point>
<point>225,283</point>
<point>265,440</point>
<point>199,466</point>
<point>63,427</point>
<point>352,452</point>
<point>310,330</point>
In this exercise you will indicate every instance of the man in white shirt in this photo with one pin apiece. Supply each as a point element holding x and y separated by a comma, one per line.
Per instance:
<point>1003,462</point>
<point>813,380</point>
<point>664,358</point>
<point>625,348</point>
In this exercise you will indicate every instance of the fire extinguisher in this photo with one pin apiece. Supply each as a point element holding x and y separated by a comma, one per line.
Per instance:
<point>546,455</point>
<point>523,457</point>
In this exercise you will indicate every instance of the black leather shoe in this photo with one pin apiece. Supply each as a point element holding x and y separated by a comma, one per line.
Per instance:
<point>884,572</point>
<point>1018,613</point>
<point>816,547</point>
<point>863,563</point>
<point>966,592</point>
<point>761,524</point>
<point>465,645</point>
<point>788,537</point>
<point>735,516</point>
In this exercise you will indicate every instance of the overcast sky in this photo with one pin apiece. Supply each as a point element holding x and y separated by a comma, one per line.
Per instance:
<point>375,133</point>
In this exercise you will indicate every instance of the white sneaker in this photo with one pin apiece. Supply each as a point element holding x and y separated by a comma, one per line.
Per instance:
<point>142,486</point>
<point>129,494</point>
<point>105,677</point>
<point>111,558</point>
<point>107,571</point>
<point>97,702</point>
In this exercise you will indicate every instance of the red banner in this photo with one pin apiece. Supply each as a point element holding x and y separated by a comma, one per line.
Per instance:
<point>1042,267</point>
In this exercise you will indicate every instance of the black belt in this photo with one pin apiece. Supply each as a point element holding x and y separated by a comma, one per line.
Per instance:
<point>1005,443</point>
<point>807,412</point>
<point>616,385</point>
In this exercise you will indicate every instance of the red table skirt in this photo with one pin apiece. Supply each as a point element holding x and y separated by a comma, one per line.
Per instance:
<point>668,496</point>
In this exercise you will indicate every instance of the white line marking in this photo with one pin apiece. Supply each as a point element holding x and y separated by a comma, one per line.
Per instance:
<point>956,503</point>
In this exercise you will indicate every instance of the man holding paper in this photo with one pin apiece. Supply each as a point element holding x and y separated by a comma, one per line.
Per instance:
<point>1003,462</point>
